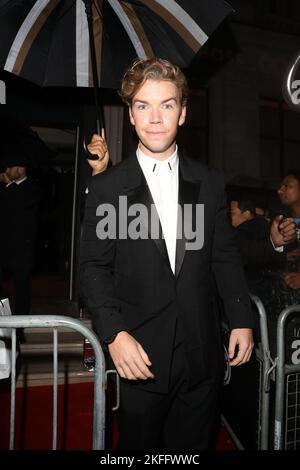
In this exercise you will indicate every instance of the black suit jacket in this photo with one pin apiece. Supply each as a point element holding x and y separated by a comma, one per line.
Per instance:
<point>129,285</point>
<point>18,212</point>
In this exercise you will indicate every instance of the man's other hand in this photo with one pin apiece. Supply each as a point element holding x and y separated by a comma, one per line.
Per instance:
<point>242,339</point>
<point>129,357</point>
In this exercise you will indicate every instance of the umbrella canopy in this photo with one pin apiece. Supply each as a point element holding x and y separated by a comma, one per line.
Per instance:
<point>47,41</point>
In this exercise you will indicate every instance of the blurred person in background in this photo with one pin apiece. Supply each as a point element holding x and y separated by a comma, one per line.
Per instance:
<point>261,244</point>
<point>289,195</point>
<point>19,202</point>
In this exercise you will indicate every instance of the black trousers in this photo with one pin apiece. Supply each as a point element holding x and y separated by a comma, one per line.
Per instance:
<point>180,420</point>
<point>21,280</point>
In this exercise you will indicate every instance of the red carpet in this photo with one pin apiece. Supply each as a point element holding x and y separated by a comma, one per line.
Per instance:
<point>34,419</point>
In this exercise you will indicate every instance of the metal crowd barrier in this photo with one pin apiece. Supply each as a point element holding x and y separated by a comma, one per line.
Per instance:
<point>278,413</point>
<point>268,366</point>
<point>287,398</point>
<point>54,322</point>
<point>264,366</point>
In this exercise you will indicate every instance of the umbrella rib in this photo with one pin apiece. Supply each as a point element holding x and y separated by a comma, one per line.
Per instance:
<point>121,14</point>
<point>185,19</point>
<point>98,11</point>
<point>173,13</point>
<point>27,33</point>
<point>82,46</point>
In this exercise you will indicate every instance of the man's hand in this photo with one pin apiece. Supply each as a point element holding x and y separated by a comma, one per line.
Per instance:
<point>292,280</point>
<point>98,146</point>
<point>283,231</point>
<point>243,338</point>
<point>129,357</point>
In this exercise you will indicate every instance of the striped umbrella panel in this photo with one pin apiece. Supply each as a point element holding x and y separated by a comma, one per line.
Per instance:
<point>47,41</point>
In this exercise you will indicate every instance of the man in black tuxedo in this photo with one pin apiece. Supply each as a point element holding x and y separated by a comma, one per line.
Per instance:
<point>19,201</point>
<point>152,298</point>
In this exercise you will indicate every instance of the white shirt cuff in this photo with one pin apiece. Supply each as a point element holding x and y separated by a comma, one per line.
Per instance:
<point>279,249</point>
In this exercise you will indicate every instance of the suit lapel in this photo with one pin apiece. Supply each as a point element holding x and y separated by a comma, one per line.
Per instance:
<point>188,193</point>
<point>138,192</point>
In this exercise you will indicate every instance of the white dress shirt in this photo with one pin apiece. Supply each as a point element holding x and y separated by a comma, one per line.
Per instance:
<point>162,179</point>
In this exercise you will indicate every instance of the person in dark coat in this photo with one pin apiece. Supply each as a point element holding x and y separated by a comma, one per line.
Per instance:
<point>152,298</point>
<point>19,202</point>
<point>261,244</point>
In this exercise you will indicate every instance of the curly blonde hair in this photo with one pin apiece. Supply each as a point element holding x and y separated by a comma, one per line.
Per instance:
<point>152,69</point>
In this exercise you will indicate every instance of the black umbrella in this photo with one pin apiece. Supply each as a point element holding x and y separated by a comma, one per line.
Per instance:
<point>90,43</point>
<point>87,43</point>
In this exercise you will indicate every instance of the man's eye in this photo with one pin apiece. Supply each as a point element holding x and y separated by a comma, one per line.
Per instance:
<point>141,106</point>
<point>168,106</point>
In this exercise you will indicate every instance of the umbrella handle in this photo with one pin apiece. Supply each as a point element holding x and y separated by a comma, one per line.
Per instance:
<point>87,153</point>
<point>97,99</point>
<point>98,102</point>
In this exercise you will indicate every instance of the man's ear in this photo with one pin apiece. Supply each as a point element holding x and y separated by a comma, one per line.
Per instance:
<point>131,116</point>
<point>182,116</point>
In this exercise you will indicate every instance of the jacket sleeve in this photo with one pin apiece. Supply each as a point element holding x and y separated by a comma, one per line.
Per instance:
<point>258,253</point>
<point>97,268</point>
<point>227,266</point>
